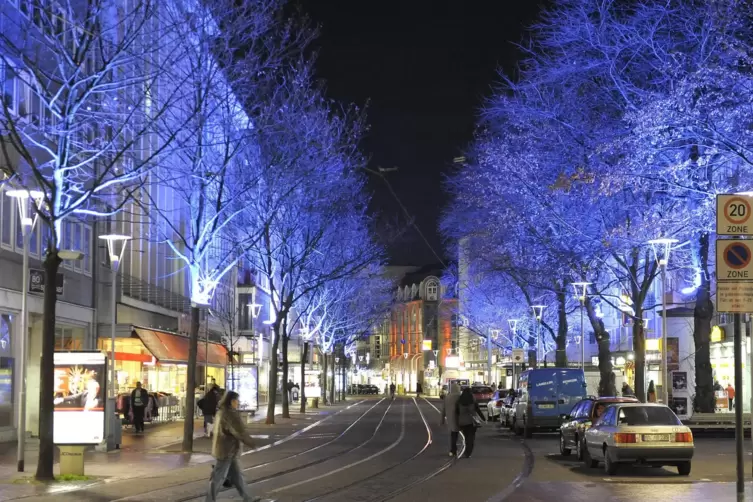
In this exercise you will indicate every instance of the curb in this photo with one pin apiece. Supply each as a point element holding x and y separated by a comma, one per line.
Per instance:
<point>520,478</point>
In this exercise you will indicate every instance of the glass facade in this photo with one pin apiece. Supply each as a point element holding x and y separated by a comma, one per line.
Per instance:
<point>6,371</point>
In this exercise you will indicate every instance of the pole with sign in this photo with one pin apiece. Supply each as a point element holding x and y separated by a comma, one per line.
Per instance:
<point>734,293</point>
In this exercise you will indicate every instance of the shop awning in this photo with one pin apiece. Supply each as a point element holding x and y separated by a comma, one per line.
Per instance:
<point>172,348</point>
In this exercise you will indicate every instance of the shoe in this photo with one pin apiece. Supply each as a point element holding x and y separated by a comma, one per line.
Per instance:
<point>466,456</point>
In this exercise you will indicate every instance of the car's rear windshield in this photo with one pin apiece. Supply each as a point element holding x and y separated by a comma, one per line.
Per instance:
<point>648,415</point>
<point>477,389</point>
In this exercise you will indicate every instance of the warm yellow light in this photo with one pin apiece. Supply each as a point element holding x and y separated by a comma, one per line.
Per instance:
<point>717,334</point>
<point>653,344</point>
<point>426,344</point>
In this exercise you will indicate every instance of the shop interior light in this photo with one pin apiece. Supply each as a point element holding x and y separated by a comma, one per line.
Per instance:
<point>653,344</point>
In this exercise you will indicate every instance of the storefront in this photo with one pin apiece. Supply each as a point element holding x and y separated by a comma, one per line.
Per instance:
<point>158,359</point>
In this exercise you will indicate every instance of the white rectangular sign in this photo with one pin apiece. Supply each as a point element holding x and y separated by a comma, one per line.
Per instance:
<point>733,215</point>
<point>518,355</point>
<point>733,260</point>
<point>734,297</point>
<point>80,390</point>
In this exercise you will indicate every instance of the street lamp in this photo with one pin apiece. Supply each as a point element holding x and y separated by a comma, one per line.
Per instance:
<point>538,312</point>
<point>662,248</point>
<point>513,325</point>
<point>494,333</point>
<point>581,290</point>
<point>116,245</point>
<point>28,216</point>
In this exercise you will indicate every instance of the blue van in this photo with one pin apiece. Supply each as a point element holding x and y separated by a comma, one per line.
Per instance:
<point>543,395</point>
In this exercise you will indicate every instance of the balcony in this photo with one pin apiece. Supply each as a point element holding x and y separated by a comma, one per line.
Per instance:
<point>149,293</point>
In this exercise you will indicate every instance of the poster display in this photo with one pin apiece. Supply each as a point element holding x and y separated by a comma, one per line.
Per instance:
<point>673,353</point>
<point>680,400</point>
<point>244,379</point>
<point>80,394</point>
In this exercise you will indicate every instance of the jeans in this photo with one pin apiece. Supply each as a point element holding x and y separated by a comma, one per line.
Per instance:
<point>731,402</point>
<point>138,418</point>
<point>469,432</point>
<point>227,468</point>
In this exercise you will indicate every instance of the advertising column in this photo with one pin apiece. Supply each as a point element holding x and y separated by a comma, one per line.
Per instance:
<point>80,389</point>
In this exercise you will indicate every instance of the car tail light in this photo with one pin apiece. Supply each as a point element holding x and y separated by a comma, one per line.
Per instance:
<point>499,403</point>
<point>684,437</point>
<point>622,438</point>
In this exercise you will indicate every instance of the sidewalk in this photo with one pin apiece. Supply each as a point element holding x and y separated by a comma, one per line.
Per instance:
<point>150,454</point>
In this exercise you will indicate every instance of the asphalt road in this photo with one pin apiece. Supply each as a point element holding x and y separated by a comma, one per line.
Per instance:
<point>374,450</point>
<point>553,476</point>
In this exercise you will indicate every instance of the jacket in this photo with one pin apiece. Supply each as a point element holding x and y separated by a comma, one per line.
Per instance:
<point>466,413</point>
<point>449,408</point>
<point>229,433</point>
<point>208,403</point>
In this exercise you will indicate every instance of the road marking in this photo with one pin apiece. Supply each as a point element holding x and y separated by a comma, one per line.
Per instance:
<point>345,467</point>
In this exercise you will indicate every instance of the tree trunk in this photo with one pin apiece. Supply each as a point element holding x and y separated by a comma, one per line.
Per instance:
<point>304,358</point>
<point>607,385</point>
<point>324,378</point>
<point>705,401</point>
<point>47,369</point>
<point>560,358</point>
<point>334,376</point>
<point>285,379</point>
<point>193,348</point>
<point>639,349</point>
<point>273,374</point>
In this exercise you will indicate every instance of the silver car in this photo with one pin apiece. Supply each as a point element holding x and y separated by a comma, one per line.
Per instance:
<point>638,433</point>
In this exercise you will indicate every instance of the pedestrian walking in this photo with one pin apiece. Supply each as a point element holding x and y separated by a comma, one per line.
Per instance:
<point>651,394</point>
<point>627,391</point>
<point>226,449</point>
<point>469,419</point>
<point>392,390</point>
<point>450,416</point>
<point>419,389</point>
<point>731,396</point>
<point>494,387</point>
<point>208,406</point>
<point>139,400</point>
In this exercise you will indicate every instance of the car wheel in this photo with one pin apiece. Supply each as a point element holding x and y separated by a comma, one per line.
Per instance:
<point>579,448</point>
<point>564,451</point>
<point>516,428</point>
<point>590,462</point>
<point>610,467</point>
<point>683,468</point>
<point>528,431</point>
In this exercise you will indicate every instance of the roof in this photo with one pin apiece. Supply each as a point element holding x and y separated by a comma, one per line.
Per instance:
<point>639,404</point>
<point>415,277</point>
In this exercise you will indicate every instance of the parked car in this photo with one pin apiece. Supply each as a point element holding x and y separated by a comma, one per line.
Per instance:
<point>580,418</point>
<point>638,433</point>
<point>483,394</point>
<point>370,389</point>
<point>495,406</point>
<point>544,395</point>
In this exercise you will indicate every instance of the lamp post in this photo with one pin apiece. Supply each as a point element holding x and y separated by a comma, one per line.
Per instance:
<point>28,217</point>
<point>538,312</point>
<point>581,290</point>
<point>513,325</point>
<point>116,245</point>
<point>493,333</point>
<point>661,254</point>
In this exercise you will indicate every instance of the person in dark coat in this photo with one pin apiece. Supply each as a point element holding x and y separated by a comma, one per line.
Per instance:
<point>419,389</point>
<point>627,391</point>
<point>208,405</point>
<point>139,402</point>
<point>392,390</point>
<point>449,415</point>
<point>226,449</point>
<point>468,413</point>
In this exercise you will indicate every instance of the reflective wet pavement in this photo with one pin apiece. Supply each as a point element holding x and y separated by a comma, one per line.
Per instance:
<point>624,492</point>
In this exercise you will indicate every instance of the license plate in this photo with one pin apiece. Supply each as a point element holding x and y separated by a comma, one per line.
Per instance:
<point>546,406</point>
<point>656,437</point>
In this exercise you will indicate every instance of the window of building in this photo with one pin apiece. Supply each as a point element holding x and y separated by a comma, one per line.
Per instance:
<point>6,219</point>
<point>69,338</point>
<point>432,291</point>
<point>10,83</point>
<point>6,371</point>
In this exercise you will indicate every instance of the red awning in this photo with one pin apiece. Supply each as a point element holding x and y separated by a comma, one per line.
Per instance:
<point>171,348</point>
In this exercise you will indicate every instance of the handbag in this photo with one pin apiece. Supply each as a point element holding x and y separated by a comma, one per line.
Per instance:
<point>477,421</point>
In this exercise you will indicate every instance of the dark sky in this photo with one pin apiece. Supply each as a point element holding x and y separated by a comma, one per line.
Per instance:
<point>425,67</point>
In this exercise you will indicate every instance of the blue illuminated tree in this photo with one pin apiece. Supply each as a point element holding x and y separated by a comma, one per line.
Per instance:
<point>77,124</point>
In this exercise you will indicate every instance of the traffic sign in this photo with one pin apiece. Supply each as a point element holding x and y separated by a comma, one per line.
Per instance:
<point>734,297</point>
<point>518,355</point>
<point>733,215</point>
<point>733,260</point>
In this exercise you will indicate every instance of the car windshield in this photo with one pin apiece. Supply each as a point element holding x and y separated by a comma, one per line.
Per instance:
<point>648,415</point>
<point>479,389</point>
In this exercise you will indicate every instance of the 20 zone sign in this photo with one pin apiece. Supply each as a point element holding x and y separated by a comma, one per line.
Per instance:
<point>733,213</point>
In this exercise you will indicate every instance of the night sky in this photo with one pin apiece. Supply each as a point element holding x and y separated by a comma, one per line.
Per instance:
<point>425,68</point>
